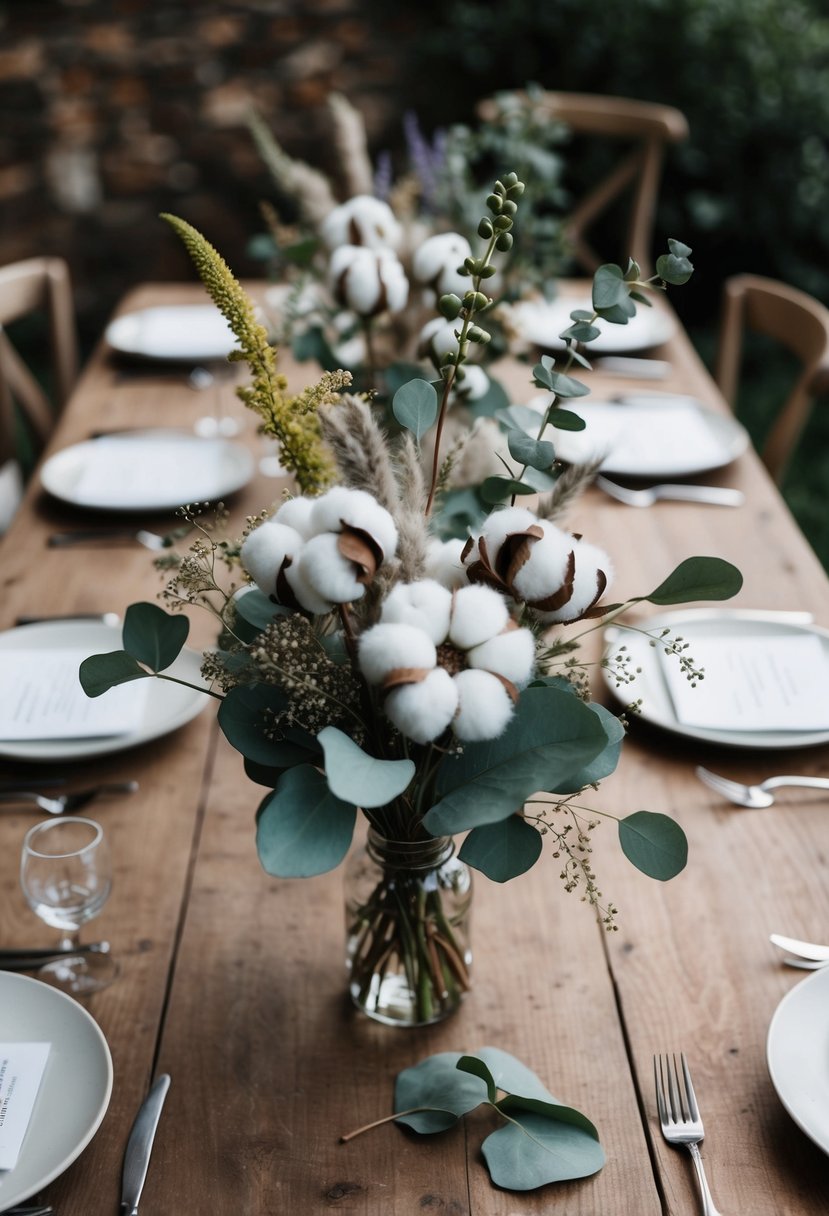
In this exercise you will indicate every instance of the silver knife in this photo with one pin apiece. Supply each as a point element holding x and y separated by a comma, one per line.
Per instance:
<point>140,1146</point>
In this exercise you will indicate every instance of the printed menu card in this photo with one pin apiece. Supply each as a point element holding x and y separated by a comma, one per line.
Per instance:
<point>21,1071</point>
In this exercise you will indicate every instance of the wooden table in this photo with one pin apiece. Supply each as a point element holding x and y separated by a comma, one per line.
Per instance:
<point>233,982</point>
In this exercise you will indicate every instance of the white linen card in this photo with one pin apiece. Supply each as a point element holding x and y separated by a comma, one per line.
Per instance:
<point>41,698</point>
<point>21,1070</point>
<point>752,683</point>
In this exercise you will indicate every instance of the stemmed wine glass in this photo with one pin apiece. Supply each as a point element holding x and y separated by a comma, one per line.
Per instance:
<point>66,877</point>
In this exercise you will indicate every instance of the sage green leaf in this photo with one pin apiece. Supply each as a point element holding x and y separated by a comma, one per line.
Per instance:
<point>153,636</point>
<point>609,287</point>
<point>436,1084</point>
<point>566,420</point>
<point>621,313</point>
<point>302,829</point>
<point>603,764</point>
<point>549,1108</point>
<point>496,489</point>
<point>537,1150</point>
<point>520,417</point>
<point>257,609</point>
<point>477,1068</point>
<point>512,1076</point>
<point>698,578</point>
<point>263,774</point>
<point>458,513</point>
<point>536,453</point>
<point>246,718</point>
<point>539,482</point>
<point>550,736</point>
<point>502,850</point>
<point>557,382</point>
<point>100,672</point>
<point>675,267</point>
<point>415,406</point>
<point>399,373</point>
<point>356,776</point>
<point>580,331</point>
<point>654,843</point>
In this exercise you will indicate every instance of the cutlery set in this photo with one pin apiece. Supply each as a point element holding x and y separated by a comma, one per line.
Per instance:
<point>67,804</point>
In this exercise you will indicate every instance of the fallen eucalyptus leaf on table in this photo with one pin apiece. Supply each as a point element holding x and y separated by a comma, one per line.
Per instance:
<point>542,1140</point>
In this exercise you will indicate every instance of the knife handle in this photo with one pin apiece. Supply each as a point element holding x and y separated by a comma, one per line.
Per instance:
<point>140,1146</point>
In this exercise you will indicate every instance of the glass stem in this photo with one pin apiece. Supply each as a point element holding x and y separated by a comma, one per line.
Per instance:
<point>71,940</point>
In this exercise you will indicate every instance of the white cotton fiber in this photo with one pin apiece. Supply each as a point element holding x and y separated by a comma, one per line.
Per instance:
<point>358,509</point>
<point>425,604</point>
<point>478,613</point>
<point>297,513</point>
<point>386,647</point>
<point>443,563</point>
<point>485,706</point>
<point>264,551</point>
<point>545,569</point>
<point>423,711</point>
<point>510,654</point>
<point>331,575</point>
<point>590,559</point>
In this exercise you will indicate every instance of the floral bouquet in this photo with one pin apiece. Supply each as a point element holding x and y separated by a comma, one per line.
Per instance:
<point>368,663</point>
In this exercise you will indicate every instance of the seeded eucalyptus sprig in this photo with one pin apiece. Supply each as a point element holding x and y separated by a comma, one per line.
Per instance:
<point>495,230</point>
<point>292,421</point>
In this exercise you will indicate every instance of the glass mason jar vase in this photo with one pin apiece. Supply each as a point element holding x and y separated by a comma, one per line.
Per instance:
<point>407,906</point>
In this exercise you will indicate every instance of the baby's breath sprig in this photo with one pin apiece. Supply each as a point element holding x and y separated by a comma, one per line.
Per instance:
<point>292,420</point>
<point>572,843</point>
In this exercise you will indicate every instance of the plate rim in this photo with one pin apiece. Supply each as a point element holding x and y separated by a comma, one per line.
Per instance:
<point>135,352</point>
<point>61,750</point>
<point>781,1010</point>
<point>241,456</point>
<point>12,978</point>
<point>748,740</point>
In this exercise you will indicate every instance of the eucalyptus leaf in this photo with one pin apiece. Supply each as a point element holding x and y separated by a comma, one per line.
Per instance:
<point>153,636</point>
<point>436,1083</point>
<point>603,764</point>
<point>621,313</point>
<point>535,1151</point>
<point>495,489</point>
<point>415,406</point>
<point>458,512</point>
<point>502,850</point>
<point>399,373</point>
<point>257,609</point>
<point>566,420</point>
<point>561,385</point>
<point>246,718</point>
<point>539,482</point>
<point>356,776</point>
<point>302,829</point>
<point>520,417</point>
<point>100,672</point>
<point>263,774</point>
<point>609,287</point>
<point>580,331</point>
<point>512,1075</point>
<point>535,453</point>
<point>675,267</point>
<point>551,736</point>
<point>698,578</point>
<point>476,1067</point>
<point>654,843</point>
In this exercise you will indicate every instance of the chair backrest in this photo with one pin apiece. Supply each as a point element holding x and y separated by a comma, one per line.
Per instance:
<point>37,285</point>
<point>797,322</point>
<point>641,129</point>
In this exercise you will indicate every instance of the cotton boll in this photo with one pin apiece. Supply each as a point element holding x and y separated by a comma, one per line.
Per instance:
<point>296,513</point>
<point>510,654</point>
<point>358,509</point>
<point>384,647</point>
<point>369,281</point>
<point>425,604</point>
<point>327,572</point>
<point>478,613</point>
<point>306,596</point>
<point>590,559</point>
<point>509,521</point>
<point>422,711</point>
<point>545,569</point>
<point>437,260</point>
<point>362,220</point>
<point>443,563</point>
<point>484,706</point>
<point>264,551</point>
<point>438,338</point>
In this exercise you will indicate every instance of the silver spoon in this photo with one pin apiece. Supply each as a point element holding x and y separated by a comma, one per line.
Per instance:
<point>718,496</point>
<point>756,796</point>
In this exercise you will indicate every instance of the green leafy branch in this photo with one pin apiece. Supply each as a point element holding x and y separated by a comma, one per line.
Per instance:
<point>542,1141</point>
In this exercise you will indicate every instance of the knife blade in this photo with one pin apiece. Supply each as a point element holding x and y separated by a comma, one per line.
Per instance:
<point>140,1146</point>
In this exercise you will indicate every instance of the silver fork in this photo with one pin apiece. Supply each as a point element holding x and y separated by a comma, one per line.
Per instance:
<point>717,496</point>
<point>756,796</point>
<point>67,804</point>
<point>679,1117</point>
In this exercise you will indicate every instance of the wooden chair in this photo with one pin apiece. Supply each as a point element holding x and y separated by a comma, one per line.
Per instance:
<point>37,285</point>
<point>643,129</point>
<point>797,322</point>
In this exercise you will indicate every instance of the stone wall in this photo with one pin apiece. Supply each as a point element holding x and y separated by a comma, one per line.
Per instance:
<point>115,110</point>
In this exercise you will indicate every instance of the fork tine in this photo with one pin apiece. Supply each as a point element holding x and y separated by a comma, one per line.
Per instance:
<point>689,1090</point>
<point>660,1089</point>
<point>677,1113</point>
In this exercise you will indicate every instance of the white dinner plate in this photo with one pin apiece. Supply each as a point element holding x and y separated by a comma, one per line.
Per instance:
<point>649,436</point>
<point>168,705</point>
<point>152,470</point>
<point>76,1086</point>
<point>797,1055</point>
<point>541,321</point>
<point>691,623</point>
<point>183,333</point>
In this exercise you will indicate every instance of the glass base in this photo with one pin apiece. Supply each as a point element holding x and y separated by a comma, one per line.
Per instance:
<point>80,974</point>
<point>391,1002</point>
<point>209,427</point>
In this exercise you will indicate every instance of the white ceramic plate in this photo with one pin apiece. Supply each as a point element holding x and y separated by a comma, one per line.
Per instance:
<point>649,436</point>
<point>691,623</point>
<point>152,470</point>
<point>797,1054</point>
<point>168,705</point>
<point>185,333</point>
<point>76,1086</point>
<point>541,321</point>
